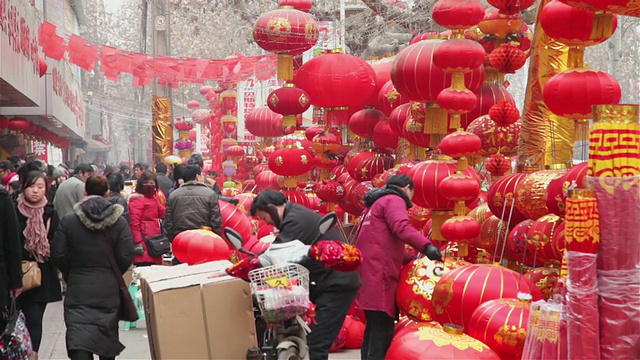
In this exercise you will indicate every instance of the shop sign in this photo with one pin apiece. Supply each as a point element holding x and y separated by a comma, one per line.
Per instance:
<point>40,150</point>
<point>67,103</point>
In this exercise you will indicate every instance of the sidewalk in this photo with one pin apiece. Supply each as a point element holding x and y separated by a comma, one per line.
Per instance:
<point>137,347</point>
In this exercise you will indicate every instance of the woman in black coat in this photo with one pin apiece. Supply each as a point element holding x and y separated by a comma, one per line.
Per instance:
<point>10,251</point>
<point>92,299</point>
<point>37,220</point>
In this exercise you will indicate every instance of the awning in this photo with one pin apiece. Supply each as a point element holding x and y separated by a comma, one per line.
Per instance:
<point>95,146</point>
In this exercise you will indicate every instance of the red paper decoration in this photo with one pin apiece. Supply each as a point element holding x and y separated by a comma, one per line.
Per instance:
<point>497,165</point>
<point>234,218</point>
<point>504,113</point>
<point>507,58</point>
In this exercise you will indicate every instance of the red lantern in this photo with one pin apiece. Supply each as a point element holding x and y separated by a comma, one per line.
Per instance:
<point>4,122</point>
<point>264,122</point>
<point>199,246</point>
<point>245,201</point>
<point>544,279</point>
<point>497,165</point>
<point>460,291</point>
<point>459,55</point>
<point>302,5</point>
<point>507,58</point>
<point>458,14</point>
<point>324,162</point>
<point>414,133</point>
<point>540,241</point>
<point>296,196</point>
<point>288,101</point>
<point>384,136</point>
<point>290,162</point>
<point>427,176</point>
<point>234,218</point>
<point>459,187</point>
<point>355,332</point>
<point>204,90</point>
<point>574,92</point>
<point>502,325</point>
<point>511,7</point>
<point>389,98</point>
<point>461,229</point>
<point>530,195</point>
<point>367,168</point>
<point>193,104</point>
<point>575,27</point>
<point>267,180</point>
<point>235,151</point>
<point>398,117</point>
<point>354,157</point>
<point>491,92</point>
<point>504,113</point>
<point>416,342</point>
<point>494,138</point>
<point>415,76</point>
<point>382,72</point>
<point>457,102</point>
<point>337,81</point>
<point>501,198</point>
<point>294,141</point>
<point>416,283</point>
<point>19,124</point>
<point>558,189</point>
<point>498,24</point>
<point>492,236</point>
<point>326,143</point>
<point>286,32</point>
<point>311,132</point>
<point>330,191</point>
<point>460,144</point>
<point>363,122</point>
<point>516,241</point>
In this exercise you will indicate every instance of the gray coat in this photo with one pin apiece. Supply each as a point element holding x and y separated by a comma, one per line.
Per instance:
<point>69,193</point>
<point>92,300</point>
<point>192,206</point>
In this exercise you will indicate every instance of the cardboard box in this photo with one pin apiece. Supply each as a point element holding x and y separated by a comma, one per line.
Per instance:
<point>197,312</point>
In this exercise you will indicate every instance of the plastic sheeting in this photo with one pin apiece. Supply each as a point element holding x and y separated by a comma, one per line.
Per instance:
<point>582,306</point>
<point>544,340</point>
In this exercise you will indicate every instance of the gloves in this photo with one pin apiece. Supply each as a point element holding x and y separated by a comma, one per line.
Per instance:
<point>432,252</point>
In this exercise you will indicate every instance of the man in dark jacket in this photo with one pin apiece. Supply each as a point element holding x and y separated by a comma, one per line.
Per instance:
<point>116,185</point>
<point>193,205</point>
<point>164,183</point>
<point>10,252</point>
<point>331,291</point>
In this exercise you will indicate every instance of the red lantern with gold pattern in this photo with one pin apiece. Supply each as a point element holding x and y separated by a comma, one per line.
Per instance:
<point>418,216</point>
<point>495,138</point>
<point>460,291</point>
<point>290,162</point>
<point>530,195</point>
<point>398,118</point>
<point>364,121</point>
<point>416,283</point>
<point>422,340</point>
<point>558,189</point>
<point>366,169</point>
<point>492,236</point>
<point>574,92</point>
<point>622,7</point>
<point>264,122</point>
<point>289,101</point>
<point>354,201</point>
<point>245,201</point>
<point>286,32</point>
<point>575,27</point>
<point>427,176</point>
<point>457,101</point>
<point>414,133</point>
<point>389,98</point>
<point>507,58</point>
<point>517,239</point>
<point>312,131</point>
<point>330,191</point>
<point>502,325</point>
<point>545,279</point>
<point>502,195</point>
<point>295,140</point>
<point>458,14</point>
<point>504,113</point>
<point>460,143</point>
<point>337,81</point>
<point>511,7</point>
<point>540,241</point>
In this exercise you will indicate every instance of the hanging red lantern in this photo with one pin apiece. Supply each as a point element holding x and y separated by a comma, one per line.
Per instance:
<point>458,14</point>
<point>289,101</point>
<point>497,165</point>
<point>363,122</point>
<point>575,27</point>
<point>398,117</point>
<point>530,195</point>
<point>296,196</point>
<point>4,122</point>
<point>573,93</point>
<point>302,5</point>
<point>330,191</point>
<point>491,92</point>
<point>507,58</point>
<point>427,176</point>
<point>264,122</point>
<point>459,55</point>
<point>286,32</point>
<point>481,283</point>
<point>498,24</point>
<point>366,169</point>
<point>234,151</point>
<point>384,136</point>
<point>193,104</point>
<point>19,124</point>
<point>460,144</point>
<point>325,162</point>
<point>336,81</point>
<point>461,230</point>
<point>495,138</point>
<point>290,162</point>
<point>267,180</point>
<point>414,133</point>
<point>389,98</point>
<point>199,246</point>
<point>326,143</point>
<point>311,132</point>
<point>502,325</point>
<point>540,241</point>
<point>459,187</point>
<point>511,7</point>
<point>504,113</point>
<point>502,196</point>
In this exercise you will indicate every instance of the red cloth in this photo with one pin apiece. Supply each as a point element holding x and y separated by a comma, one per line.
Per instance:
<point>144,214</point>
<point>384,231</point>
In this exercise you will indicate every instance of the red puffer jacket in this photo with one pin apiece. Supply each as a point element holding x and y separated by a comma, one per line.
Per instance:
<point>144,214</point>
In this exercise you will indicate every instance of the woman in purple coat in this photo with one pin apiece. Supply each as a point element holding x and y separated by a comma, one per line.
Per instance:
<point>384,231</point>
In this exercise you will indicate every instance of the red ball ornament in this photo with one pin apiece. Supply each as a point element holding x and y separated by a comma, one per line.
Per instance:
<point>460,291</point>
<point>540,241</point>
<point>363,122</point>
<point>355,332</point>
<point>507,58</point>
<point>199,246</point>
<point>458,14</point>
<point>504,113</point>
<point>516,242</point>
<point>460,143</point>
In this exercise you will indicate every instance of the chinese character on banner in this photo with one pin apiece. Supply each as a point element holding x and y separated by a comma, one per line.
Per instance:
<point>40,150</point>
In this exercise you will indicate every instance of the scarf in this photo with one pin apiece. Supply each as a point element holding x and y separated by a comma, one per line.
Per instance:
<point>35,233</point>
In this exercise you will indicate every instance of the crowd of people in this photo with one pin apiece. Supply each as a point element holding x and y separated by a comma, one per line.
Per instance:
<point>72,223</point>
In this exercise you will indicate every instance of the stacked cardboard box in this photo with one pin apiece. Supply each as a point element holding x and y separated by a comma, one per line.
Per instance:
<point>197,312</point>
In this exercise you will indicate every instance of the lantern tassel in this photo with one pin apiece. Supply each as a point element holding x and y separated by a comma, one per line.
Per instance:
<point>456,123</point>
<point>289,120</point>
<point>285,67</point>
<point>602,26</point>
<point>438,218</point>
<point>436,120</point>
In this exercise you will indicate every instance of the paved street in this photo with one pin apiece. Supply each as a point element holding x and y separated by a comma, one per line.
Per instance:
<point>53,343</point>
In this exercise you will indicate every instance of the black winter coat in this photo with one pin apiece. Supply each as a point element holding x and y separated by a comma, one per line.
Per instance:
<point>92,300</point>
<point>300,223</point>
<point>49,290</point>
<point>10,249</point>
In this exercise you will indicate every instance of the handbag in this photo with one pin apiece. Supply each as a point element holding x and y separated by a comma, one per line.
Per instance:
<point>16,341</point>
<point>127,310</point>
<point>31,275</point>
<point>157,245</point>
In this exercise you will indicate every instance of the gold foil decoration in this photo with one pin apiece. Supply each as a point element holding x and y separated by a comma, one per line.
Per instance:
<point>542,131</point>
<point>162,128</point>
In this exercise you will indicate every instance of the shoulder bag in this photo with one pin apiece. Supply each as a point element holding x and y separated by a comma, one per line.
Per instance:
<point>127,310</point>
<point>31,274</point>
<point>157,245</point>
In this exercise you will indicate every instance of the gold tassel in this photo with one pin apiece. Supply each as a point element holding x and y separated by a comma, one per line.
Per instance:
<point>455,122</point>
<point>575,58</point>
<point>460,209</point>
<point>463,249</point>
<point>289,120</point>
<point>285,67</point>
<point>438,218</point>
<point>602,26</point>
<point>436,120</point>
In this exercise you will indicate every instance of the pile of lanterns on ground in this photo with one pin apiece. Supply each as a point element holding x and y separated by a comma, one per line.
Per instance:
<point>521,274</point>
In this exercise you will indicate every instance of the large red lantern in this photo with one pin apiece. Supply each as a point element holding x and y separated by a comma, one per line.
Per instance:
<point>492,236</point>
<point>389,98</point>
<point>461,229</point>
<point>545,279</point>
<point>267,180</point>
<point>622,7</point>
<point>383,135</point>
<point>428,340</point>
<point>530,195</point>
<point>540,241</point>
<point>458,14</point>
<point>337,81</point>
<point>495,138</point>
<point>416,283</point>
<point>502,196</point>
<point>459,187</point>
<point>233,217</point>
<point>460,291</point>
<point>330,191</point>
<point>286,32</point>
<point>364,121</point>
<point>264,122</point>
<point>289,101</point>
<point>427,176</point>
<point>575,27</point>
<point>199,246</point>
<point>502,325</point>
<point>290,161</point>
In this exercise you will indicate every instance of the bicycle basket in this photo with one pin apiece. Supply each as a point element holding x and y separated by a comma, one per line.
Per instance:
<point>282,291</point>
